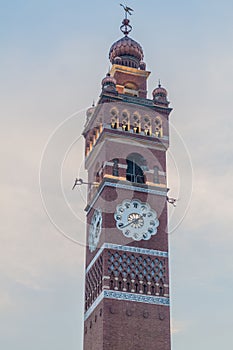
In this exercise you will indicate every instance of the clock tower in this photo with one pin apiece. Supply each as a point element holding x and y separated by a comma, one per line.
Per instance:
<point>127,270</point>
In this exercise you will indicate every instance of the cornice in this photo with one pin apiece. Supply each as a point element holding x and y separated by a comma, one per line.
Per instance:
<point>109,182</point>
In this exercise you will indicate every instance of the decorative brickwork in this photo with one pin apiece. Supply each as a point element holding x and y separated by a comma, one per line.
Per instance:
<point>94,279</point>
<point>134,273</point>
<point>127,272</point>
<point>120,248</point>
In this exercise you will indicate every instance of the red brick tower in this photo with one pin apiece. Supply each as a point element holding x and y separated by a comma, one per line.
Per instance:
<point>127,277</point>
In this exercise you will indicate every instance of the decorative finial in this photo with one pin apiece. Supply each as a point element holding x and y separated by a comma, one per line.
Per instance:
<point>93,103</point>
<point>126,27</point>
<point>127,10</point>
<point>159,83</point>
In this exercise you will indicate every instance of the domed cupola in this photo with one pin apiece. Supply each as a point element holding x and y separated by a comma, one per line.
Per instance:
<point>128,68</point>
<point>126,51</point>
<point>109,84</point>
<point>160,96</point>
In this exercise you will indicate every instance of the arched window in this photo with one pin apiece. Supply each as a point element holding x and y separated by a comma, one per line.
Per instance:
<point>158,127</point>
<point>134,172</point>
<point>114,118</point>
<point>125,121</point>
<point>147,125</point>
<point>136,123</point>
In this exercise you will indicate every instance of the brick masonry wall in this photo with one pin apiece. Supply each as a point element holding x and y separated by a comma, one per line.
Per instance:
<point>128,326</point>
<point>108,201</point>
<point>93,330</point>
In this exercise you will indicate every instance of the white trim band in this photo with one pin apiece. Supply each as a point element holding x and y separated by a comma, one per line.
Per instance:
<point>129,249</point>
<point>148,299</point>
<point>125,187</point>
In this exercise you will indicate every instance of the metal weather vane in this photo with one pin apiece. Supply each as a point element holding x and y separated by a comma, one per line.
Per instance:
<point>126,27</point>
<point>127,9</point>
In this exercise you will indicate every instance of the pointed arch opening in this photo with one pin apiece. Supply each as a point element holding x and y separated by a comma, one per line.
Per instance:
<point>114,118</point>
<point>136,120</point>
<point>135,164</point>
<point>125,121</point>
<point>158,127</point>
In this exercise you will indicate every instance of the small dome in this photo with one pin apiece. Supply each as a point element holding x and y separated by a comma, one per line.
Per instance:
<point>160,95</point>
<point>108,80</point>
<point>109,84</point>
<point>159,91</point>
<point>128,50</point>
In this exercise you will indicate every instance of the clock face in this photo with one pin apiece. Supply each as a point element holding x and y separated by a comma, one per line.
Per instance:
<point>136,220</point>
<point>95,229</point>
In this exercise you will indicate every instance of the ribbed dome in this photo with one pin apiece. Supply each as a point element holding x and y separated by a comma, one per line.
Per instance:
<point>159,91</point>
<point>109,84</point>
<point>108,80</point>
<point>126,52</point>
<point>160,96</point>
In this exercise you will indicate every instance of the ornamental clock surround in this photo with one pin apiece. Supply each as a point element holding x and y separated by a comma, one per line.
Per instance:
<point>95,229</point>
<point>136,220</point>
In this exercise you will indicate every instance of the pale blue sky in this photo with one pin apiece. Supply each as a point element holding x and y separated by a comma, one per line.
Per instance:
<point>54,55</point>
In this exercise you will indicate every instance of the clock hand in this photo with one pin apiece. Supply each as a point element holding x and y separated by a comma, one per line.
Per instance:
<point>132,222</point>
